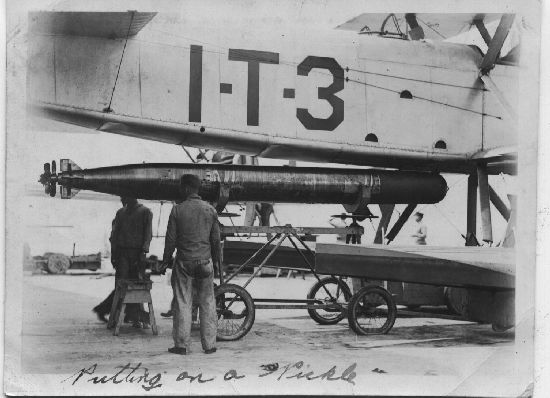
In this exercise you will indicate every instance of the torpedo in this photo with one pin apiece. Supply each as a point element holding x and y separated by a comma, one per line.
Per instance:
<point>353,188</point>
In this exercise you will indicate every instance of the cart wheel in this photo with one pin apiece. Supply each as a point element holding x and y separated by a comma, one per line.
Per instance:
<point>235,310</point>
<point>341,295</point>
<point>456,300</point>
<point>57,263</point>
<point>372,310</point>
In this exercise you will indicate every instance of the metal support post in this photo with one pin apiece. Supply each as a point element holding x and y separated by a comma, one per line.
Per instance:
<point>499,204</point>
<point>266,259</point>
<point>400,222</point>
<point>386,213</point>
<point>485,204</point>
<point>252,258</point>
<point>471,211</point>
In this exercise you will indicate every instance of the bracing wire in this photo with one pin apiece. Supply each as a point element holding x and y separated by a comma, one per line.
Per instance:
<point>108,109</point>
<point>441,212</point>
<point>410,79</point>
<point>448,220</point>
<point>430,27</point>
<point>372,225</point>
<point>347,79</point>
<point>427,99</point>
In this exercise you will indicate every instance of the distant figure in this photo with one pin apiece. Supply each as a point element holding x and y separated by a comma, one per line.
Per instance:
<point>130,239</point>
<point>339,222</point>
<point>421,230</point>
<point>194,231</point>
<point>264,212</point>
<point>355,238</point>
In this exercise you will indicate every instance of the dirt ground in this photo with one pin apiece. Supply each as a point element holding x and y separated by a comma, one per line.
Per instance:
<point>66,348</point>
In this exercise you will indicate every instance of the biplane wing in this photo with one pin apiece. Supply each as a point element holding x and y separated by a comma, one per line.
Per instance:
<point>470,267</point>
<point>110,25</point>
<point>486,268</point>
<point>103,72</point>
<point>435,26</point>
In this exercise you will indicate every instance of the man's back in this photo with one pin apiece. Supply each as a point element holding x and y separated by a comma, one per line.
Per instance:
<point>193,229</point>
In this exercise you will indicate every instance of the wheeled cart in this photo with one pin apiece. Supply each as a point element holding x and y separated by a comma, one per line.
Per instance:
<point>371,310</point>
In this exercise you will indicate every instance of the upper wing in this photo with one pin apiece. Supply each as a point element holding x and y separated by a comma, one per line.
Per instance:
<point>112,25</point>
<point>435,26</point>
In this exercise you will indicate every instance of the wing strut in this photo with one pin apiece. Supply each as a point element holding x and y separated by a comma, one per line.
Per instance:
<point>484,204</point>
<point>499,204</point>
<point>488,62</point>
<point>400,222</point>
<point>483,30</point>
<point>496,43</point>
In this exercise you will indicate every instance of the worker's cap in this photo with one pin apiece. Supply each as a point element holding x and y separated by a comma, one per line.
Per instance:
<point>419,214</point>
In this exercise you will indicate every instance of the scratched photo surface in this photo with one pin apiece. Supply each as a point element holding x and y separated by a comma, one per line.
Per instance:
<point>290,112</point>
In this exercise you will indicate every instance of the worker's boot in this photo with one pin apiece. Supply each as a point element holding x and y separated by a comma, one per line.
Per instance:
<point>100,315</point>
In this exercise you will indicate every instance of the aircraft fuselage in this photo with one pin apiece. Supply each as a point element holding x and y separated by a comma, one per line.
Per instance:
<point>338,97</point>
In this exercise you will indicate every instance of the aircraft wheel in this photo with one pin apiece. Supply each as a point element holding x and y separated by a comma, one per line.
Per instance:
<point>235,310</point>
<point>57,263</point>
<point>372,310</point>
<point>341,295</point>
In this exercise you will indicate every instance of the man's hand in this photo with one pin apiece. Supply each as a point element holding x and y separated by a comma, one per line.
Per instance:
<point>217,266</point>
<point>164,265</point>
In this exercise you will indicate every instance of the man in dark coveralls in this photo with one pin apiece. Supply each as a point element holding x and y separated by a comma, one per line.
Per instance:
<point>130,239</point>
<point>194,231</point>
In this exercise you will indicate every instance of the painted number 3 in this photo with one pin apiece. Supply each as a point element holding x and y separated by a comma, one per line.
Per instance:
<point>325,93</point>
<point>254,59</point>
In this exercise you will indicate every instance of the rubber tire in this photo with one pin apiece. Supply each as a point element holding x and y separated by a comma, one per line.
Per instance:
<point>356,300</point>
<point>249,304</point>
<point>311,295</point>
<point>451,302</point>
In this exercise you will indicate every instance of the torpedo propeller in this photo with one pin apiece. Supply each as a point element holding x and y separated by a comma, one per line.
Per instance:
<point>49,179</point>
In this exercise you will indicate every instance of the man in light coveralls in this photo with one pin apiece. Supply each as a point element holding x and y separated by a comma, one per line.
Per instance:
<point>194,231</point>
